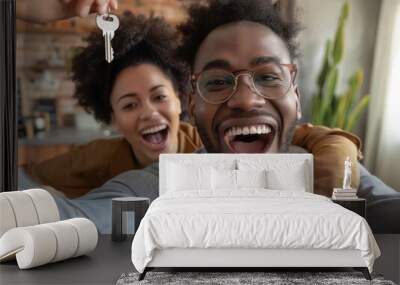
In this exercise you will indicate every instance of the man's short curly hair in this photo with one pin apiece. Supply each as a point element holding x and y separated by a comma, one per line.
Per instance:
<point>138,40</point>
<point>203,18</point>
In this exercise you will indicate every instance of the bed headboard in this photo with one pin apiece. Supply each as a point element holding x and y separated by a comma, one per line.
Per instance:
<point>286,165</point>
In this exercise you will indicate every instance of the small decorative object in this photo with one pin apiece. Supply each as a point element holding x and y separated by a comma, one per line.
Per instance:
<point>346,192</point>
<point>347,173</point>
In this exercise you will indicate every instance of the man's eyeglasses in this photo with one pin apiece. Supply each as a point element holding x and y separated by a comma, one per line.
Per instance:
<point>271,81</point>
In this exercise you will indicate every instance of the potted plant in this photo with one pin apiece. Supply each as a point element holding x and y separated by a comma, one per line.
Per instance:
<point>328,107</point>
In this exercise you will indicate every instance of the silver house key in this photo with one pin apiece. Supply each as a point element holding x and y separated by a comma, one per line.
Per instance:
<point>108,24</point>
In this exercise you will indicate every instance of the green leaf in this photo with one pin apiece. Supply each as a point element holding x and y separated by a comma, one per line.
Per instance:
<point>355,83</point>
<point>316,108</point>
<point>347,100</point>
<point>345,10</point>
<point>333,112</point>
<point>357,112</point>
<point>338,46</point>
<point>341,112</point>
<point>325,66</point>
<point>328,93</point>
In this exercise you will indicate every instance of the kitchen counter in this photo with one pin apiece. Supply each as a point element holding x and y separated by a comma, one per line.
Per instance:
<point>68,136</point>
<point>46,145</point>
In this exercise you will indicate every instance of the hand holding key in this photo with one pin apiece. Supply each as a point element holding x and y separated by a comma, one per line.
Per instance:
<point>108,24</point>
<point>83,8</point>
<point>43,11</point>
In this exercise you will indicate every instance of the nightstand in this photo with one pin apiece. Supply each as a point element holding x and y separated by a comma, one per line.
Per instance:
<point>123,211</point>
<point>358,205</point>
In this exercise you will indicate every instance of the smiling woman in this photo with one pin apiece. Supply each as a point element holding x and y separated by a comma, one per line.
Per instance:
<point>146,110</point>
<point>138,93</point>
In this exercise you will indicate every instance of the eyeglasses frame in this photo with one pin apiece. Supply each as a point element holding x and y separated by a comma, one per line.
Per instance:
<point>292,70</point>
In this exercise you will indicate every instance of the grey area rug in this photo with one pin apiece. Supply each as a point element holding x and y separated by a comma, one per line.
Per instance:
<point>269,278</point>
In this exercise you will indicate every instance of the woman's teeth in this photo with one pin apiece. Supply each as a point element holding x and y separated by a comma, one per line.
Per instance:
<point>154,129</point>
<point>249,130</point>
<point>156,136</point>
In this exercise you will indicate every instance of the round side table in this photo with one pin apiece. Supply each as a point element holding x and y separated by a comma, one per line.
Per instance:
<point>124,207</point>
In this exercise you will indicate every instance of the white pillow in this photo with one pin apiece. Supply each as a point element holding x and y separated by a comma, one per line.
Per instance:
<point>292,180</point>
<point>188,177</point>
<point>281,174</point>
<point>224,179</point>
<point>251,178</point>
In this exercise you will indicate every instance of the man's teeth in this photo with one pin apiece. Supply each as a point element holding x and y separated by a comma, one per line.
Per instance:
<point>249,130</point>
<point>154,129</point>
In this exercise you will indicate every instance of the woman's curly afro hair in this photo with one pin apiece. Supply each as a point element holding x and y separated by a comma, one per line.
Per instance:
<point>205,18</point>
<point>138,40</point>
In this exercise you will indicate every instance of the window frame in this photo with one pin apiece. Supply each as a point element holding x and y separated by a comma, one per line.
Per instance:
<point>8,98</point>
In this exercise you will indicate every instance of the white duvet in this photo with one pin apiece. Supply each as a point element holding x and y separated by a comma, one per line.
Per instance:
<point>252,218</point>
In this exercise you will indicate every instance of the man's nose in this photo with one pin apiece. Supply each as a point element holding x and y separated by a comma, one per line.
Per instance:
<point>245,96</point>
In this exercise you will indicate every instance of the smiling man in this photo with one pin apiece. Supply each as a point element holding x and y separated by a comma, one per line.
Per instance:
<point>244,100</point>
<point>242,53</point>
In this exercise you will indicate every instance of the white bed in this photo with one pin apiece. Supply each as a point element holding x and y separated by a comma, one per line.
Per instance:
<point>242,218</point>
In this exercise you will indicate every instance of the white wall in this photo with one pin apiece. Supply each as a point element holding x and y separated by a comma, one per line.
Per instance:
<point>382,155</point>
<point>319,19</point>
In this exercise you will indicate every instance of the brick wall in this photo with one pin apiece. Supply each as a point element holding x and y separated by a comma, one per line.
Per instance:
<point>44,51</point>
